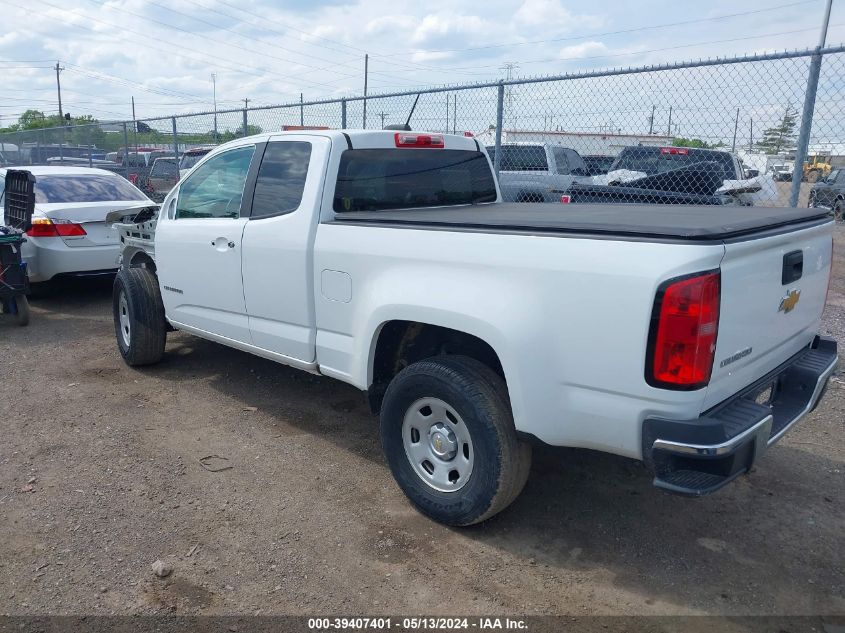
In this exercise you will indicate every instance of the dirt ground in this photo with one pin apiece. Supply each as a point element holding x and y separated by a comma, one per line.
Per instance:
<point>100,477</point>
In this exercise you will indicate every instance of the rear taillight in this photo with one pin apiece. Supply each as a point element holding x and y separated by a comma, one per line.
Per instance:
<point>406,139</point>
<point>683,151</point>
<point>684,326</point>
<point>42,227</point>
<point>45,227</point>
<point>565,199</point>
<point>69,229</point>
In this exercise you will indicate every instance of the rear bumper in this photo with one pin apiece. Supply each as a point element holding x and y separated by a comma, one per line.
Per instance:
<point>697,457</point>
<point>49,257</point>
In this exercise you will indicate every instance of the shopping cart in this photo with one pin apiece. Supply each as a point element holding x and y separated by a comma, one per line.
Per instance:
<point>18,205</point>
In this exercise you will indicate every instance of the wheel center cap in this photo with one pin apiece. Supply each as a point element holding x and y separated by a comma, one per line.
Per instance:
<point>443,442</point>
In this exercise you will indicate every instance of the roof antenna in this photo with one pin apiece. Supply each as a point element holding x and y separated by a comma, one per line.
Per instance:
<point>406,126</point>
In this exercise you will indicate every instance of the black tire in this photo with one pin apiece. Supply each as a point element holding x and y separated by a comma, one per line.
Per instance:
<point>813,176</point>
<point>144,315</point>
<point>500,460</point>
<point>839,210</point>
<point>22,310</point>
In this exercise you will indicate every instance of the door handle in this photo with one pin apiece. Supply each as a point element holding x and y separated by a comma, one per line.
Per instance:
<point>221,243</point>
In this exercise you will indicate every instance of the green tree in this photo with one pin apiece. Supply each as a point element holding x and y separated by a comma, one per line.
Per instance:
<point>690,142</point>
<point>780,138</point>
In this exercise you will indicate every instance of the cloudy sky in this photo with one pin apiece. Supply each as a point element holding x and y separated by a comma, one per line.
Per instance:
<point>163,52</point>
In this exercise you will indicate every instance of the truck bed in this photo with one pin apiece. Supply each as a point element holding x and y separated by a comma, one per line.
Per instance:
<point>684,223</point>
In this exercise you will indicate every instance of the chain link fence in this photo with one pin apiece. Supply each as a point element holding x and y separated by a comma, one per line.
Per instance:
<point>755,130</point>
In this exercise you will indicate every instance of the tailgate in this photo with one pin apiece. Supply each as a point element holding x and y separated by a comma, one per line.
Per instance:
<point>764,321</point>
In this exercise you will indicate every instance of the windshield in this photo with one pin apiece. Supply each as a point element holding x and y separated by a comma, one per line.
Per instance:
<point>95,188</point>
<point>375,179</point>
<point>521,158</point>
<point>189,160</point>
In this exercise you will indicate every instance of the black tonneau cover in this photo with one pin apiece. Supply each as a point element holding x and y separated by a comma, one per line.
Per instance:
<point>697,223</point>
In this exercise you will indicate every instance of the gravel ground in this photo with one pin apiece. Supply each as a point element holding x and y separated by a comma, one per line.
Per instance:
<point>100,477</point>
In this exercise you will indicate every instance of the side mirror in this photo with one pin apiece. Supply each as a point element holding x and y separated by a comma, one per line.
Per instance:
<point>752,173</point>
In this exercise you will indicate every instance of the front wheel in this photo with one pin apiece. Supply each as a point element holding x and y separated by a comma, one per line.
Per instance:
<point>839,210</point>
<point>139,323</point>
<point>449,439</point>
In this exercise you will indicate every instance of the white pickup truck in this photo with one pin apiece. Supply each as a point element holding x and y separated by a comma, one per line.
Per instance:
<point>685,337</point>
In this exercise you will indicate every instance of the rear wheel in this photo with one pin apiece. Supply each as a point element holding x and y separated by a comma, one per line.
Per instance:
<point>839,210</point>
<point>139,323</point>
<point>813,176</point>
<point>21,309</point>
<point>449,439</point>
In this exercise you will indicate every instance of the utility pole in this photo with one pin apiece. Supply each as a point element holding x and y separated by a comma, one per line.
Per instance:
<point>246,107</point>
<point>669,127</point>
<point>736,127</point>
<point>447,113</point>
<point>455,113</point>
<point>509,69</point>
<point>301,111</point>
<point>214,93</point>
<point>651,121</point>
<point>750,134</point>
<point>366,72</point>
<point>383,114</point>
<point>59,89</point>
<point>134,125</point>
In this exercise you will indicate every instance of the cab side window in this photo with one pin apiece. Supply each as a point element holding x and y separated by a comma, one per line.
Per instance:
<point>281,178</point>
<point>216,189</point>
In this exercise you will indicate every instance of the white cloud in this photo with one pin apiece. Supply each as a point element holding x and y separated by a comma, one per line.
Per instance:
<point>553,15</point>
<point>586,49</point>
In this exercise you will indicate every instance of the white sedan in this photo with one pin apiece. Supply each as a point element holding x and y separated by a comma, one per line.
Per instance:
<point>69,235</point>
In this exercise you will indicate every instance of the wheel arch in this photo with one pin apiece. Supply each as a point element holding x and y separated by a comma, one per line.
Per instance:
<point>396,343</point>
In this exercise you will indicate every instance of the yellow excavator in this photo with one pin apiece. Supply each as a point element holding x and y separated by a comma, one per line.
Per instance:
<point>817,167</point>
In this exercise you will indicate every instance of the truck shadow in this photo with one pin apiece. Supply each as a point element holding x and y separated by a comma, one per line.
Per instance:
<point>765,544</point>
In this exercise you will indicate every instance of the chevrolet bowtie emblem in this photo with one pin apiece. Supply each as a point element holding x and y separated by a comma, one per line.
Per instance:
<point>788,303</point>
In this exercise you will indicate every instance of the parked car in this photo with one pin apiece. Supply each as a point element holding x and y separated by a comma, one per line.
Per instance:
<point>531,172</point>
<point>782,172</point>
<point>69,235</point>
<point>829,193</point>
<point>140,164</point>
<point>164,174</point>
<point>192,156</point>
<point>675,175</point>
<point>597,165</point>
<point>386,261</point>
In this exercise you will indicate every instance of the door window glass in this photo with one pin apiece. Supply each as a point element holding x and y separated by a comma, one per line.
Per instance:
<point>216,188</point>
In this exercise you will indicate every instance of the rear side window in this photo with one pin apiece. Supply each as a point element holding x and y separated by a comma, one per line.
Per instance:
<point>164,169</point>
<point>281,178</point>
<point>376,179</point>
<point>52,189</point>
<point>561,161</point>
<point>521,158</point>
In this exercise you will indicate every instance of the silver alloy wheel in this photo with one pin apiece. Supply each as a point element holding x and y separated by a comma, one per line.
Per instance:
<point>438,444</point>
<point>123,313</point>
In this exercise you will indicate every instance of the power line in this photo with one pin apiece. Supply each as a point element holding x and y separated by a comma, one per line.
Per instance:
<point>181,48</point>
<point>604,34</point>
<point>217,41</point>
<point>658,50</point>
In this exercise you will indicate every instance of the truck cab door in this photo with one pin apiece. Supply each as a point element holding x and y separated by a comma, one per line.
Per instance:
<point>278,271</point>
<point>198,247</point>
